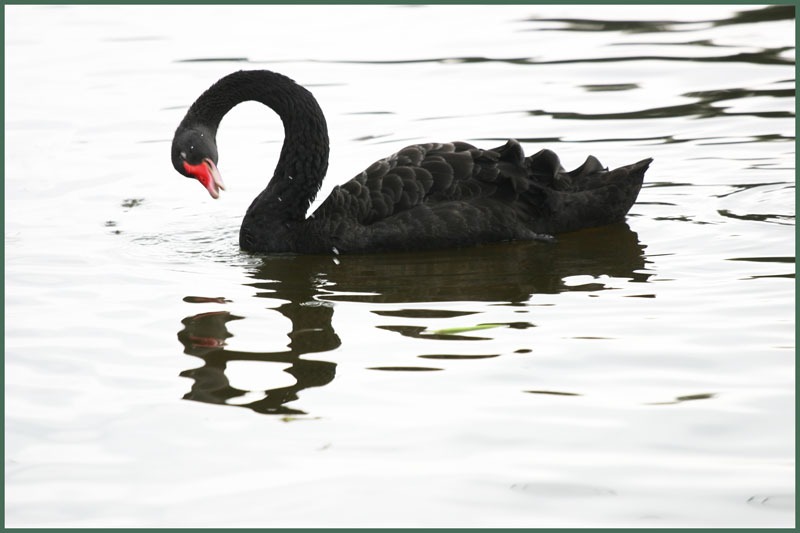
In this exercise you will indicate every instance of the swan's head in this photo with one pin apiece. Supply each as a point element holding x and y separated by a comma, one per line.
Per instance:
<point>194,154</point>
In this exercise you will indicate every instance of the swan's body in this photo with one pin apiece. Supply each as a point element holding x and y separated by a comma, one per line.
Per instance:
<point>425,196</point>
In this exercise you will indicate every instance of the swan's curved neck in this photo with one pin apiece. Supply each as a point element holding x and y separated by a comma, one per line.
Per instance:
<point>304,156</point>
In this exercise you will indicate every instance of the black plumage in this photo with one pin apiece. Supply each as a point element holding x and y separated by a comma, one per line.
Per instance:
<point>425,196</point>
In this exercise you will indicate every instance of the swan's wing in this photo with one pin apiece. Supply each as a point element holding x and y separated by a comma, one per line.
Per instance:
<point>428,173</point>
<point>435,195</point>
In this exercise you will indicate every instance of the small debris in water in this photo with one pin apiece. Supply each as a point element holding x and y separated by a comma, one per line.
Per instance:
<point>334,250</point>
<point>132,202</point>
<point>336,261</point>
<point>776,501</point>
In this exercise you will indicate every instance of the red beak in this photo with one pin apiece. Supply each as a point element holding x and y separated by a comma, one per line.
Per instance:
<point>206,173</point>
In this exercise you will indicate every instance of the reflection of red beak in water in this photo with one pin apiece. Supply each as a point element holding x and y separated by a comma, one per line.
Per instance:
<point>206,173</point>
<point>206,342</point>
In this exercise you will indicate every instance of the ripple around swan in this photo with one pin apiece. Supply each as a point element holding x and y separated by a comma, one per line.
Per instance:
<point>750,16</point>
<point>509,273</point>
<point>766,56</point>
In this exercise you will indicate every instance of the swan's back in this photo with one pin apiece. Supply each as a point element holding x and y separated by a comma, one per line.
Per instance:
<point>454,194</point>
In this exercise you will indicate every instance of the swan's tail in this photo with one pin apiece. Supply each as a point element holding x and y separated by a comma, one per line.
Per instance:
<point>588,196</point>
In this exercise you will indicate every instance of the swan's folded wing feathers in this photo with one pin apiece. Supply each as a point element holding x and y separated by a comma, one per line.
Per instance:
<point>379,167</point>
<point>425,173</point>
<point>392,187</point>
<point>411,155</point>
<point>378,207</point>
<point>440,171</point>
<point>461,163</point>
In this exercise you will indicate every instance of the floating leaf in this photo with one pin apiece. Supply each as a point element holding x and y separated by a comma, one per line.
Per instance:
<point>450,331</point>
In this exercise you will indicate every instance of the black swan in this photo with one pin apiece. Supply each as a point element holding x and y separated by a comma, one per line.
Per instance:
<point>425,196</point>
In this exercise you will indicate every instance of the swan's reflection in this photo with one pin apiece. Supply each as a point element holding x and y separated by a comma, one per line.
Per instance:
<point>309,284</point>
<point>204,336</point>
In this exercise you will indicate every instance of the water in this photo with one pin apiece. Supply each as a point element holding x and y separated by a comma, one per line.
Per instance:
<point>640,374</point>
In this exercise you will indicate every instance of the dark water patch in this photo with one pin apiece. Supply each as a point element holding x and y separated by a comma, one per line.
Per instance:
<point>610,87</point>
<point>719,95</point>
<point>405,368</point>
<point>699,42</point>
<point>749,186</point>
<point>552,392</point>
<point>519,325</point>
<point>206,300</point>
<point>691,397</point>
<point>623,26</point>
<point>766,14</point>
<point>533,140</point>
<point>766,56</point>
<point>703,108</point>
<point>655,184</point>
<point>769,137</point>
<point>765,276</point>
<point>457,357</point>
<point>764,259</point>
<point>523,350</point>
<point>775,219</point>
<point>591,338</point>
<point>688,398</point>
<point>683,218</point>
<point>588,287</point>
<point>641,296</point>
<point>425,313</point>
<point>769,166</point>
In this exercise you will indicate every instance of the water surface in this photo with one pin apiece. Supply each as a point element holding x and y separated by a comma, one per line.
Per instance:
<point>636,375</point>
